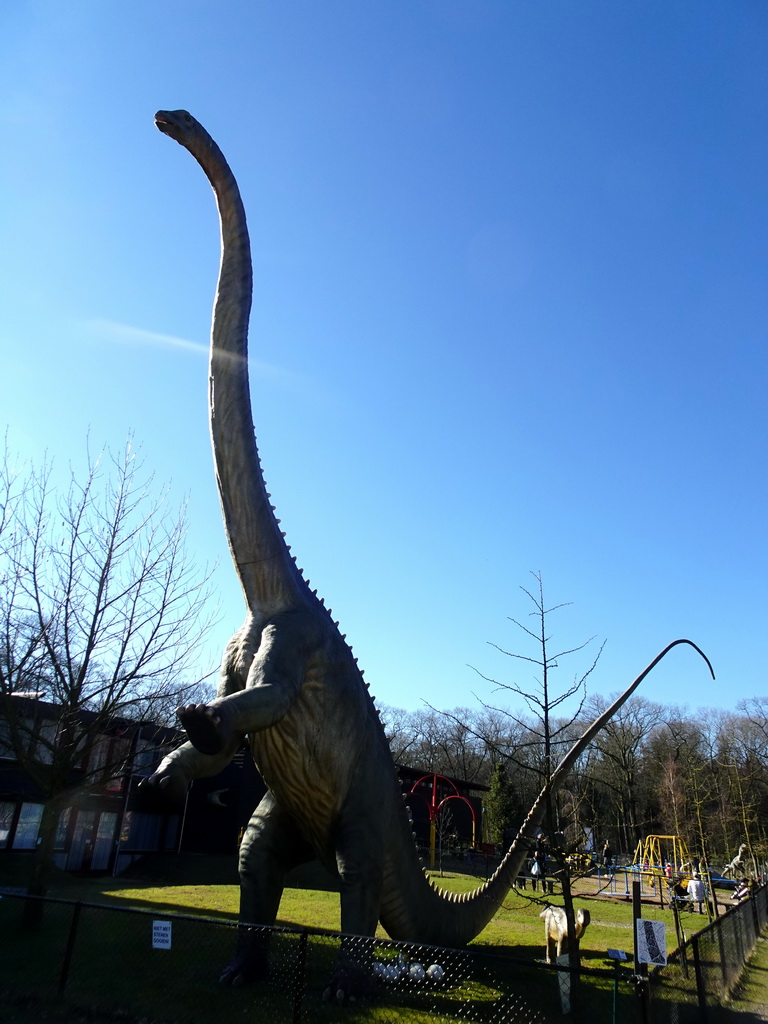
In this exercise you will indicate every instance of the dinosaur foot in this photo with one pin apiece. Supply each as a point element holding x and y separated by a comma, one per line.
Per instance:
<point>349,984</point>
<point>244,968</point>
<point>208,728</point>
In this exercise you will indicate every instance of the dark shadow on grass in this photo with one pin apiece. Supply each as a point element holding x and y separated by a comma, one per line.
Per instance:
<point>529,953</point>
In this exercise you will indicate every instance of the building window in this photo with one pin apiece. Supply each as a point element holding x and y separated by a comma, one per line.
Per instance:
<point>119,764</point>
<point>45,742</point>
<point>6,820</point>
<point>62,828</point>
<point>28,826</point>
<point>141,831</point>
<point>6,747</point>
<point>172,832</point>
<point>146,757</point>
<point>98,756</point>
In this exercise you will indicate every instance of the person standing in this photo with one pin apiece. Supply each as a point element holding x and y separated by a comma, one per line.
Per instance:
<point>539,866</point>
<point>697,892</point>
<point>607,856</point>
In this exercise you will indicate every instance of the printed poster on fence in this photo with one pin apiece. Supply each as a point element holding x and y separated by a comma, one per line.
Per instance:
<point>161,934</point>
<point>651,941</point>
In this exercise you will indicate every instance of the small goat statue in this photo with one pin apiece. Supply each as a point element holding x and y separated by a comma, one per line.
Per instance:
<point>736,863</point>
<point>556,930</point>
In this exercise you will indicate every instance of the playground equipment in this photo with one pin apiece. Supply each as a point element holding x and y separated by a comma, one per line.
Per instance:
<point>663,866</point>
<point>663,861</point>
<point>435,805</point>
<point>667,855</point>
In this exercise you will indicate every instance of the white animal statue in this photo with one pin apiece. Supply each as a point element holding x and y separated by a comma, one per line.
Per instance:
<point>556,930</point>
<point>737,862</point>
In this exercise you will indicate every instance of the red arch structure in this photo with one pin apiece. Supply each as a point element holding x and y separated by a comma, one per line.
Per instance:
<point>434,807</point>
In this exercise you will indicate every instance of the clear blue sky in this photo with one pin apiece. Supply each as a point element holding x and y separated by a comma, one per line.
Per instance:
<point>510,307</point>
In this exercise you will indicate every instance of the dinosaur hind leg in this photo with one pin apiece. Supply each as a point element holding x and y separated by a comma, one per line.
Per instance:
<point>360,864</point>
<point>270,847</point>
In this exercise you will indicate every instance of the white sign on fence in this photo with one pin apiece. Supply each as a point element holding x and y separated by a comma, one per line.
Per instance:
<point>651,941</point>
<point>161,934</point>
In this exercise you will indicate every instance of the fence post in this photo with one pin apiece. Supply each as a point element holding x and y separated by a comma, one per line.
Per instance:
<point>70,946</point>
<point>761,896</point>
<point>641,970</point>
<point>755,918</point>
<point>680,935</point>
<point>714,903</point>
<point>721,950</point>
<point>300,981</point>
<point>701,992</point>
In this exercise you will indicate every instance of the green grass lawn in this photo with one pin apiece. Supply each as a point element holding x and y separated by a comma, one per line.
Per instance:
<point>205,886</point>
<point>199,885</point>
<point>751,995</point>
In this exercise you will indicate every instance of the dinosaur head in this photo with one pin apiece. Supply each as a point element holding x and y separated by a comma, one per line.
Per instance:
<point>189,133</point>
<point>181,126</point>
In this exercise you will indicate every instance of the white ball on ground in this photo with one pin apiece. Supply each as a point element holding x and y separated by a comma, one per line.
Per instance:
<point>417,972</point>
<point>435,972</point>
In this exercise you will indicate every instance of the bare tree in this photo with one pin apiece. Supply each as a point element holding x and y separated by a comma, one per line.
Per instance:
<point>742,770</point>
<point>548,734</point>
<point>450,743</point>
<point>618,761</point>
<point>400,732</point>
<point>102,616</point>
<point>753,723</point>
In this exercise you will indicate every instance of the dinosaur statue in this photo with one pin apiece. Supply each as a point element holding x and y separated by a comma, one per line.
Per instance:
<point>738,861</point>
<point>556,930</point>
<point>290,684</point>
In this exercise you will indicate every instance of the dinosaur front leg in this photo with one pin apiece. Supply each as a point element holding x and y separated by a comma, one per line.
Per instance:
<point>173,775</point>
<point>270,847</point>
<point>175,772</point>
<point>210,727</point>
<point>274,678</point>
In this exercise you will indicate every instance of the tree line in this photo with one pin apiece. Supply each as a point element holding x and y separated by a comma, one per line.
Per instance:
<point>654,769</point>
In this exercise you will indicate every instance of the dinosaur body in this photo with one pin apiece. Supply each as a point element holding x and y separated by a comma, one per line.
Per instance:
<point>290,683</point>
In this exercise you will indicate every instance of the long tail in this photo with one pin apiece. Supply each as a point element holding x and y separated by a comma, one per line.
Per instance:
<point>423,913</point>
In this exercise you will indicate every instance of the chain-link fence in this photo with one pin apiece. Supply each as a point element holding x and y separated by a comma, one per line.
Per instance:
<point>704,970</point>
<point>165,968</point>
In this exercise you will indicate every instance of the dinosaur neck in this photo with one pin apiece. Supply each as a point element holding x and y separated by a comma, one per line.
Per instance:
<point>267,573</point>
